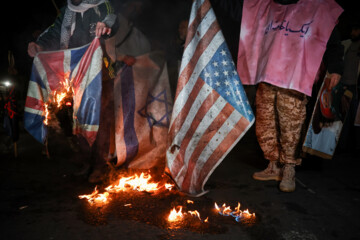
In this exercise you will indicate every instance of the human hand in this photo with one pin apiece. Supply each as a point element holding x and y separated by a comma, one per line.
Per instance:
<point>102,29</point>
<point>334,80</point>
<point>33,49</point>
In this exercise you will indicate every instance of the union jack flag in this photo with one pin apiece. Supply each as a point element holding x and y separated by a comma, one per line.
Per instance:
<point>211,112</point>
<point>83,67</point>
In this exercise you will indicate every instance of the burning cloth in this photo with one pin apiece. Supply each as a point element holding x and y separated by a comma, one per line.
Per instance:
<point>211,111</point>
<point>143,105</point>
<point>82,67</point>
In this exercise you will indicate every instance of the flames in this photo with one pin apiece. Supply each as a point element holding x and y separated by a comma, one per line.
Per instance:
<point>65,91</point>
<point>96,197</point>
<point>144,183</point>
<point>46,114</point>
<point>237,213</point>
<point>178,215</point>
<point>175,216</point>
<point>58,98</point>
<point>140,183</point>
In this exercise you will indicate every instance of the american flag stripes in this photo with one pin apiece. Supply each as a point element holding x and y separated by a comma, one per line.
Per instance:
<point>83,67</point>
<point>211,112</point>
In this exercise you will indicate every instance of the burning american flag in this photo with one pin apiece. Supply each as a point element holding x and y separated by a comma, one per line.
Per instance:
<point>81,69</point>
<point>211,112</point>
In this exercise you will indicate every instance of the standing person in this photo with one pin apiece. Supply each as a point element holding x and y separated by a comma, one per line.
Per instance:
<point>350,136</point>
<point>77,25</point>
<point>282,43</point>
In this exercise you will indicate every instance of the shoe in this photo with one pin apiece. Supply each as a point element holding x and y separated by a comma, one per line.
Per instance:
<point>287,183</point>
<point>272,172</point>
<point>84,170</point>
<point>97,176</point>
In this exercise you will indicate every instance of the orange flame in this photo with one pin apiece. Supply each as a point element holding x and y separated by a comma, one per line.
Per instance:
<point>46,114</point>
<point>237,214</point>
<point>169,186</point>
<point>190,202</point>
<point>57,98</point>
<point>140,184</point>
<point>65,90</point>
<point>224,210</point>
<point>247,214</point>
<point>96,198</point>
<point>195,213</point>
<point>175,216</point>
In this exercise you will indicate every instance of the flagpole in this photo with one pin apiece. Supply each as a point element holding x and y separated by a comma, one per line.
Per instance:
<point>56,7</point>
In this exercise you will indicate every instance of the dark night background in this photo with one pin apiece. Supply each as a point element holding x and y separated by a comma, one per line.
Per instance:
<point>159,21</point>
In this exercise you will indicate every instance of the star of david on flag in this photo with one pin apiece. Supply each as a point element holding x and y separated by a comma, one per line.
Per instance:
<point>211,112</point>
<point>163,120</point>
<point>143,107</point>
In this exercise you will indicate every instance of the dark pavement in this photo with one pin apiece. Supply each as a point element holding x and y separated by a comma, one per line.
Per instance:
<point>39,200</point>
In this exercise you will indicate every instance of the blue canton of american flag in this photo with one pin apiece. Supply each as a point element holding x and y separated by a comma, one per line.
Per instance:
<point>211,112</point>
<point>220,73</point>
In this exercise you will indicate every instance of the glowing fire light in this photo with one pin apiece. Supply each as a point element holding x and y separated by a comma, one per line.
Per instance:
<point>224,210</point>
<point>137,183</point>
<point>195,213</point>
<point>66,90</point>
<point>96,198</point>
<point>237,214</point>
<point>46,114</point>
<point>142,183</point>
<point>175,216</point>
<point>57,98</point>
<point>169,186</point>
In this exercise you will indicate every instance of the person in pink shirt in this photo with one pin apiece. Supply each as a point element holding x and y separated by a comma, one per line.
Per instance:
<point>282,44</point>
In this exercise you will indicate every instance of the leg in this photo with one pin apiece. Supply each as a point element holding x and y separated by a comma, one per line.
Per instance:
<point>266,131</point>
<point>291,107</point>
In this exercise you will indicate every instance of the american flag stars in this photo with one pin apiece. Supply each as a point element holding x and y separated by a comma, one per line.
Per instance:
<point>206,121</point>
<point>220,73</point>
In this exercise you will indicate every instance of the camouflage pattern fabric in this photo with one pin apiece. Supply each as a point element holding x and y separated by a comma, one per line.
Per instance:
<point>280,115</point>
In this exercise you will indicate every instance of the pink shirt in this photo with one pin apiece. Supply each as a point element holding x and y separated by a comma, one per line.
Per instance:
<point>284,44</point>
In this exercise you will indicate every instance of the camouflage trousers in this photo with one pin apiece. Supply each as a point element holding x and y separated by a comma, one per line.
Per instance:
<point>280,116</point>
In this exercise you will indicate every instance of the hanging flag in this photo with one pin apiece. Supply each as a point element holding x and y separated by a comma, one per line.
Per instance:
<point>143,105</point>
<point>82,67</point>
<point>211,111</point>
